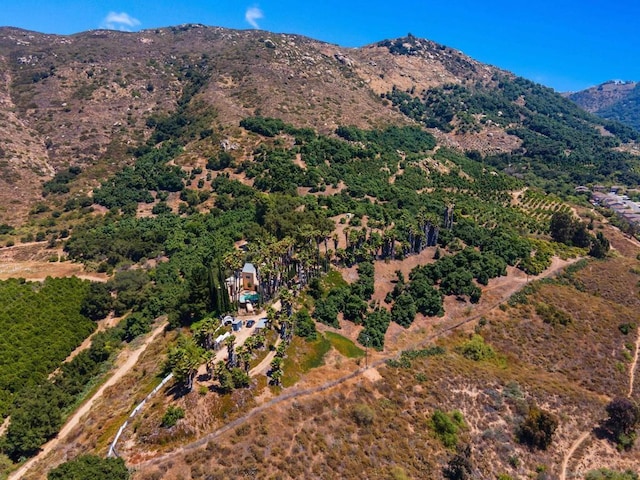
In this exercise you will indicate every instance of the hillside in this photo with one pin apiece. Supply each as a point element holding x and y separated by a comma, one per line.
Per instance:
<point>618,101</point>
<point>86,100</point>
<point>423,292</point>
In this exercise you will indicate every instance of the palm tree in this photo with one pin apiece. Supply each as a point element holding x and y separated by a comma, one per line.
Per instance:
<point>347,235</point>
<point>234,261</point>
<point>271,317</point>
<point>389,243</point>
<point>375,242</point>
<point>244,356</point>
<point>260,339</point>
<point>250,344</point>
<point>184,360</point>
<point>208,359</point>
<point>230,343</point>
<point>275,371</point>
<point>204,331</point>
<point>286,300</point>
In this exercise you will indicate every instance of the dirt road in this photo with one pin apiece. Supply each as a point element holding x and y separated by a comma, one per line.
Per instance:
<point>241,337</point>
<point>632,368</point>
<point>128,358</point>
<point>569,454</point>
<point>266,361</point>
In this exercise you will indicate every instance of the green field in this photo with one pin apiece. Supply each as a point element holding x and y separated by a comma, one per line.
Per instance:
<point>303,356</point>
<point>345,346</point>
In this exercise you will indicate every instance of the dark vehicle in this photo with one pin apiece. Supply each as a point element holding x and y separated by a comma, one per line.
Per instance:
<point>250,323</point>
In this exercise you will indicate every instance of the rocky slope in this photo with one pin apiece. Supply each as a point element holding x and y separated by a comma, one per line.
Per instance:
<point>90,99</point>
<point>85,99</point>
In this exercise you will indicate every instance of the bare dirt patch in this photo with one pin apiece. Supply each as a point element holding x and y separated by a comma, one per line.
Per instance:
<point>38,271</point>
<point>385,271</point>
<point>372,374</point>
<point>31,262</point>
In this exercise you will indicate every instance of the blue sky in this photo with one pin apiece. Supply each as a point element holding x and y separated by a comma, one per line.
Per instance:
<point>567,45</point>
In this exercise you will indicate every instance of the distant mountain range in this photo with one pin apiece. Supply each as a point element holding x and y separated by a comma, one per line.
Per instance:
<point>614,100</point>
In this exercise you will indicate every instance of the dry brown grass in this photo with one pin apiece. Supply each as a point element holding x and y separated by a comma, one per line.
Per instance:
<point>589,350</point>
<point>319,437</point>
<point>616,280</point>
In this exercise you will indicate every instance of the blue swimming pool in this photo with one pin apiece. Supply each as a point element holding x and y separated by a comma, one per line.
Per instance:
<point>249,297</point>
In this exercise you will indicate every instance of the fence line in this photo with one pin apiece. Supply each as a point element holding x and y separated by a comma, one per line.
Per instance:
<point>112,447</point>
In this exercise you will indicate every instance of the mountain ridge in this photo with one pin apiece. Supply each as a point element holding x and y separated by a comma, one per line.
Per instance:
<point>86,100</point>
<point>614,99</point>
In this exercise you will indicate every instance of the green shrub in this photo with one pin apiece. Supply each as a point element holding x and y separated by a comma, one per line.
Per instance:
<point>606,474</point>
<point>552,315</point>
<point>363,415</point>
<point>446,426</point>
<point>172,415</point>
<point>538,428</point>
<point>626,328</point>
<point>475,349</point>
<point>305,326</point>
<point>90,467</point>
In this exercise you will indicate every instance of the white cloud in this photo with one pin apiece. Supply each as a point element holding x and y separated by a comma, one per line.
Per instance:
<point>119,21</point>
<point>252,15</point>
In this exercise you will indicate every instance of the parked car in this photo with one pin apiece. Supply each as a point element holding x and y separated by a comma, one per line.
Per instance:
<point>250,323</point>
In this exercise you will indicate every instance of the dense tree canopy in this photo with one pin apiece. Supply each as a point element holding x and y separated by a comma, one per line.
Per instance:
<point>90,467</point>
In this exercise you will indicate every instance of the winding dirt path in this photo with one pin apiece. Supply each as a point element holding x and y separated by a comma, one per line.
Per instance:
<point>569,454</point>
<point>266,361</point>
<point>632,370</point>
<point>583,437</point>
<point>130,358</point>
<point>556,266</point>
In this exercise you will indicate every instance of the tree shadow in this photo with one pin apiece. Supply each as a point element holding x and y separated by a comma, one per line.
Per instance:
<point>177,391</point>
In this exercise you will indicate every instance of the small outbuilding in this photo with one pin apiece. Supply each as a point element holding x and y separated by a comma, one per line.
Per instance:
<point>236,325</point>
<point>217,343</point>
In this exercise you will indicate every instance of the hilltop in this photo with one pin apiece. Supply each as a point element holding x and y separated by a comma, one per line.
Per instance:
<point>613,100</point>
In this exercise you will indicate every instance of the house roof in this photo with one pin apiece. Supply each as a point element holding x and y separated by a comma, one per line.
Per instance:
<point>248,268</point>
<point>262,323</point>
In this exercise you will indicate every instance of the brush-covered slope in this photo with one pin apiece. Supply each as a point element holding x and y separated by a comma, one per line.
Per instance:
<point>89,99</point>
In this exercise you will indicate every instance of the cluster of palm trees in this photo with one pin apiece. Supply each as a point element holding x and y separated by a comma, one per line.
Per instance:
<point>280,263</point>
<point>291,263</point>
<point>185,358</point>
<point>404,237</point>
